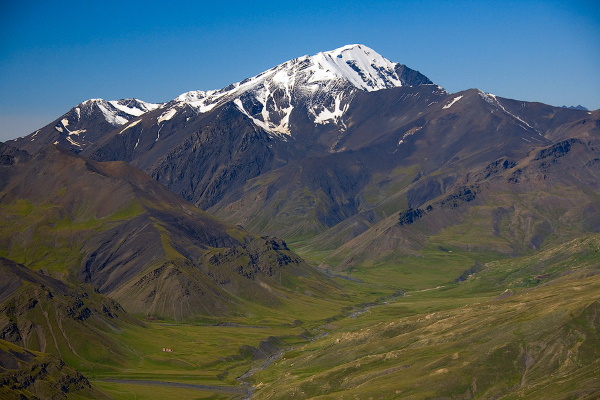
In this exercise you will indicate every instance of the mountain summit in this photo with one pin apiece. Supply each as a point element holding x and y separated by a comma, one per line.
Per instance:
<point>306,90</point>
<point>324,84</point>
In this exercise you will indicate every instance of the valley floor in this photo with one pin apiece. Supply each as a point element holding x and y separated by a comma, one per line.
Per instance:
<point>510,331</point>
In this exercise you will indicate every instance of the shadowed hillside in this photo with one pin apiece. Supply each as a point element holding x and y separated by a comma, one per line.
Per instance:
<point>111,226</point>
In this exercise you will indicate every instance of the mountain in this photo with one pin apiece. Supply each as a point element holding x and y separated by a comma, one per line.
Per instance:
<point>320,86</point>
<point>325,147</point>
<point>509,206</point>
<point>579,107</point>
<point>292,111</point>
<point>84,124</point>
<point>110,226</point>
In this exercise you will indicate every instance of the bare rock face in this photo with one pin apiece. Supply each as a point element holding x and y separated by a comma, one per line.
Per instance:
<point>215,158</point>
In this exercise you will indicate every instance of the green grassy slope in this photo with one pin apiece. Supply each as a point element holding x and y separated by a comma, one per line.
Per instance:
<point>26,374</point>
<point>93,334</point>
<point>82,327</point>
<point>519,328</point>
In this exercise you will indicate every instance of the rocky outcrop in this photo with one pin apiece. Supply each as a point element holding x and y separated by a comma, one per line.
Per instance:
<point>30,375</point>
<point>47,315</point>
<point>410,216</point>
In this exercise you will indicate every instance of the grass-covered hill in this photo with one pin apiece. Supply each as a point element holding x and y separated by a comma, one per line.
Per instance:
<point>30,375</point>
<point>525,327</point>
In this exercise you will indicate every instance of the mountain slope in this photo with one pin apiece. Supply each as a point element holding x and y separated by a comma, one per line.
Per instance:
<point>225,163</point>
<point>519,328</point>
<point>111,226</point>
<point>26,374</point>
<point>84,124</point>
<point>411,149</point>
<point>76,323</point>
<point>507,207</point>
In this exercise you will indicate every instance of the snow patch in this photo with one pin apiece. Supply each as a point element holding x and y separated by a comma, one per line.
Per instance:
<point>454,100</point>
<point>361,66</point>
<point>74,143</point>
<point>200,100</point>
<point>491,98</point>
<point>281,129</point>
<point>142,107</point>
<point>130,125</point>
<point>77,132</point>
<point>110,116</point>
<point>91,101</point>
<point>167,115</point>
<point>65,122</point>
<point>334,115</point>
<point>411,131</point>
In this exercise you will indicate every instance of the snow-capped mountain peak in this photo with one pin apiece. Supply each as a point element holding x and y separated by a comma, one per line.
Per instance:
<point>115,112</point>
<point>89,120</point>
<point>86,123</point>
<point>361,66</point>
<point>298,95</point>
<point>325,83</point>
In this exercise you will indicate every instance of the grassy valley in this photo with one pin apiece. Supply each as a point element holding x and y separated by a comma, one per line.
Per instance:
<point>523,327</point>
<point>419,309</point>
<point>519,328</point>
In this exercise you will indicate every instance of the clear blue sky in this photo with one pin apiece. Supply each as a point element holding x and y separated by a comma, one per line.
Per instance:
<point>54,55</point>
